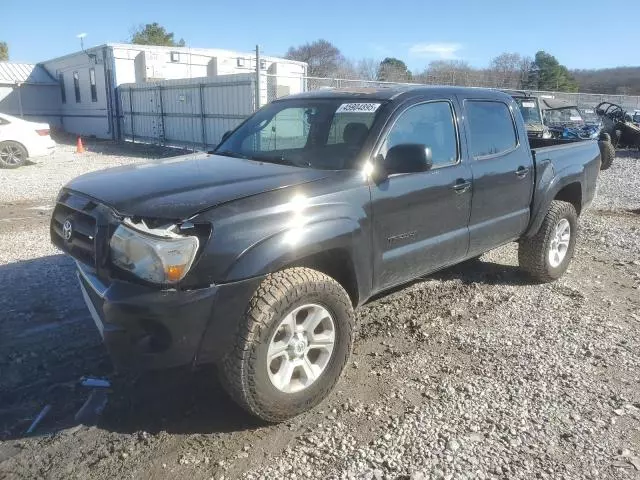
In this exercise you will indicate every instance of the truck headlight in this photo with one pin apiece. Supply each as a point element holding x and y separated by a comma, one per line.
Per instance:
<point>153,258</point>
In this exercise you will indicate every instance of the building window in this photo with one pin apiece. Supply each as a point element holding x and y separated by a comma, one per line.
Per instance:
<point>92,84</point>
<point>76,86</point>
<point>63,92</point>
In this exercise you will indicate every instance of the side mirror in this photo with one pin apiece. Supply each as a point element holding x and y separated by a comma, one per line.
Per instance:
<point>408,158</point>
<point>225,135</point>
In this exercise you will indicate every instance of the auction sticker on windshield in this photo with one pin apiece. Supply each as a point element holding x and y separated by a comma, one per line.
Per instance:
<point>358,108</point>
<point>528,104</point>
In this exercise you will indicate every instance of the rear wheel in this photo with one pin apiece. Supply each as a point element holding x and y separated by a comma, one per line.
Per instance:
<point>546,255</point>
<point>607,153</point>
<point>292,345</point>
<point>12,154</point>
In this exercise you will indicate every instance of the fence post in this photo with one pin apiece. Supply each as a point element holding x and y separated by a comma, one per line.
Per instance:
<point>257,77</point>
<point>202,119</point>
<point>133,135</point>
<point>161,136</point>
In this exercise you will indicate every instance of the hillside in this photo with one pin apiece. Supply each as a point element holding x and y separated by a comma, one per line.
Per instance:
<point>620,80</point>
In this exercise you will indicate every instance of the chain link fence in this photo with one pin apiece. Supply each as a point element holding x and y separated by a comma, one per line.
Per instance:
<point>304,84</point>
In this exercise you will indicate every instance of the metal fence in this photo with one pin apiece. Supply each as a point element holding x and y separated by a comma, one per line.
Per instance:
<point>582,100</point>
<point>192,113</point>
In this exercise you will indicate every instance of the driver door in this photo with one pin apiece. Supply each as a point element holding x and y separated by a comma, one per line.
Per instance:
<point>420,220</point>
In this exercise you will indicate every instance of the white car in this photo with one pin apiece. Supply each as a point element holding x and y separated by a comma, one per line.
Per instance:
<point>21,140</point>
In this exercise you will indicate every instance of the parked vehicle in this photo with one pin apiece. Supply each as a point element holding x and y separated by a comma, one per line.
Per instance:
<point>565,120</point>
<point>558,125</point>
<point>531,113</point>
<point>619,124</point>
<point>254,257</point>
<point>21,140</point>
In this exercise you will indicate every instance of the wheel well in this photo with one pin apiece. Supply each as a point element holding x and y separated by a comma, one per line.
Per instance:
<point>571,193</point>
<point>337,264</point>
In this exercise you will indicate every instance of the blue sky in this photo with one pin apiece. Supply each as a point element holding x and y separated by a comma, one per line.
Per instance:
<point>416,31</point>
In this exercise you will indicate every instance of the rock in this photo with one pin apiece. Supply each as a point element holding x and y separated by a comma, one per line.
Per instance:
<point>453,445</point>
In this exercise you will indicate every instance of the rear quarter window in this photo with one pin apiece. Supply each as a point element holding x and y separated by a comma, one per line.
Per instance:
<point>491,127</point>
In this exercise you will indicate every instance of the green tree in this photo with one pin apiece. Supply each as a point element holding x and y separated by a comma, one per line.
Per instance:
<point>551,75</point>
<point>393,70</point>
<point>154,34</point>
<point>4,51</point>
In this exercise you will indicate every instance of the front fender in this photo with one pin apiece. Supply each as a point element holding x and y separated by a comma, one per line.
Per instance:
<point>298,242</point>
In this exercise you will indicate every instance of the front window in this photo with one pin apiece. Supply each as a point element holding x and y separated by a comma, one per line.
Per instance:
<point>529,109</point>
<point>312,133</point>
<point>430,124</point>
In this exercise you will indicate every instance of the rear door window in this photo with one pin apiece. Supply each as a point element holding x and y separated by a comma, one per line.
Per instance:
<point>491,126</point>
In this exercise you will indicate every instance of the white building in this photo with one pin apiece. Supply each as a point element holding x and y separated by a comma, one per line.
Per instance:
<point>86,98</point>
<point>29,92</point>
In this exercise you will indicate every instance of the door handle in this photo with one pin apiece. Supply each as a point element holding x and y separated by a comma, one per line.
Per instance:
<point>461,185</point>
<point>521,172</point>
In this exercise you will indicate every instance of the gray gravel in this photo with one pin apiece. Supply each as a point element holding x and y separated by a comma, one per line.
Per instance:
<point>472,373</point>
<point>43,180</point>
<point>516,381</point>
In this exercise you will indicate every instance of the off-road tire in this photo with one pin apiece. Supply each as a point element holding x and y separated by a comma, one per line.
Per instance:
<point>607,154</point>
<point>243,371</point>
<point>19,150</point>
<point>533,252</point>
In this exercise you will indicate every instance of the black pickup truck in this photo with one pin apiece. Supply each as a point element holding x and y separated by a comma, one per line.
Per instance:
<point>255,256</point>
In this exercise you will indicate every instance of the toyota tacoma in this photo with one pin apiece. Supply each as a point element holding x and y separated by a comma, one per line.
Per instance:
<point>255,256</point>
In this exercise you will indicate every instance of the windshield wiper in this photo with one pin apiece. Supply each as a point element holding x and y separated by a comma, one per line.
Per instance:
<point>229,153</point>
<point>274,159</point>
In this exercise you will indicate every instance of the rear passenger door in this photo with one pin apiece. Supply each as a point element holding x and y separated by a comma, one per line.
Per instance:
<point>502,170</point>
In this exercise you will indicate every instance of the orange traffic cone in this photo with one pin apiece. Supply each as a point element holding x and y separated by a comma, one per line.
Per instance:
<point>79,146</point>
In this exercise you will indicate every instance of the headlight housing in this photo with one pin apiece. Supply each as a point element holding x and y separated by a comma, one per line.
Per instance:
<point>158,259</point>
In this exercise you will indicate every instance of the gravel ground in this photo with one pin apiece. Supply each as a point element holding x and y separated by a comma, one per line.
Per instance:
<point>42,180</point>
<point>472,373</point>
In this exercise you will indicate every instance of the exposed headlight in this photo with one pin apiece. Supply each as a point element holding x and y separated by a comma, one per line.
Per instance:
<point>156,259</point>
<point>546,133</point>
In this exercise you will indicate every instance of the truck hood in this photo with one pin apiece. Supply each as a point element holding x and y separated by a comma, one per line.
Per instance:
<point>179,187</point>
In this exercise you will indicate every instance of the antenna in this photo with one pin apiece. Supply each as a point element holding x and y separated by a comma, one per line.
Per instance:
<point>81,37</point>
<point>92,56</point>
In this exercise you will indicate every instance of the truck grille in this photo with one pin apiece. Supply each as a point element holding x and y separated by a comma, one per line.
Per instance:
<point>79,213</point>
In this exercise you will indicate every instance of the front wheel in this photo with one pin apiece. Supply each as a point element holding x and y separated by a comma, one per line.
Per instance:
<point>546,255</point>
<point>12,154</point>
<point>292,345</point>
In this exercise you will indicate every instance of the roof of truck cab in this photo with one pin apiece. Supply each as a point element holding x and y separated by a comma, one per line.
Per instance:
<point>394,92</point>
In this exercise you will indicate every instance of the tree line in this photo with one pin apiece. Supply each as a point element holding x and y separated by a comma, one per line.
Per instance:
<point>507,70</point>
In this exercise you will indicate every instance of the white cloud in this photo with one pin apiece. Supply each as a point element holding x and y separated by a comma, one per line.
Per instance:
<point>443,51</point>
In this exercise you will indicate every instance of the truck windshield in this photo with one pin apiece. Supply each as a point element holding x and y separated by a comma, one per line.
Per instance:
<point>561,116</point>
<point>529,109</point>
<point>312,133</point>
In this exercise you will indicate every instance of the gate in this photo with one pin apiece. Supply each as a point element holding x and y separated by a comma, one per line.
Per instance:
<point>192,113</point>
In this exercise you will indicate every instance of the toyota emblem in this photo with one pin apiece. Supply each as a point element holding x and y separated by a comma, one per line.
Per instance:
<point>67,230</point>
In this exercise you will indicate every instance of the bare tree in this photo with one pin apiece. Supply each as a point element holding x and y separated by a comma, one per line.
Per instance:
<point>324,58</point>
<point>368,68</point>
<point>506,70</point>
<point>448,72</point>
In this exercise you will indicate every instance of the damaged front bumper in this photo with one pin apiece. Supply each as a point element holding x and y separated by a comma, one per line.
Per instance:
<point>145,328</point>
